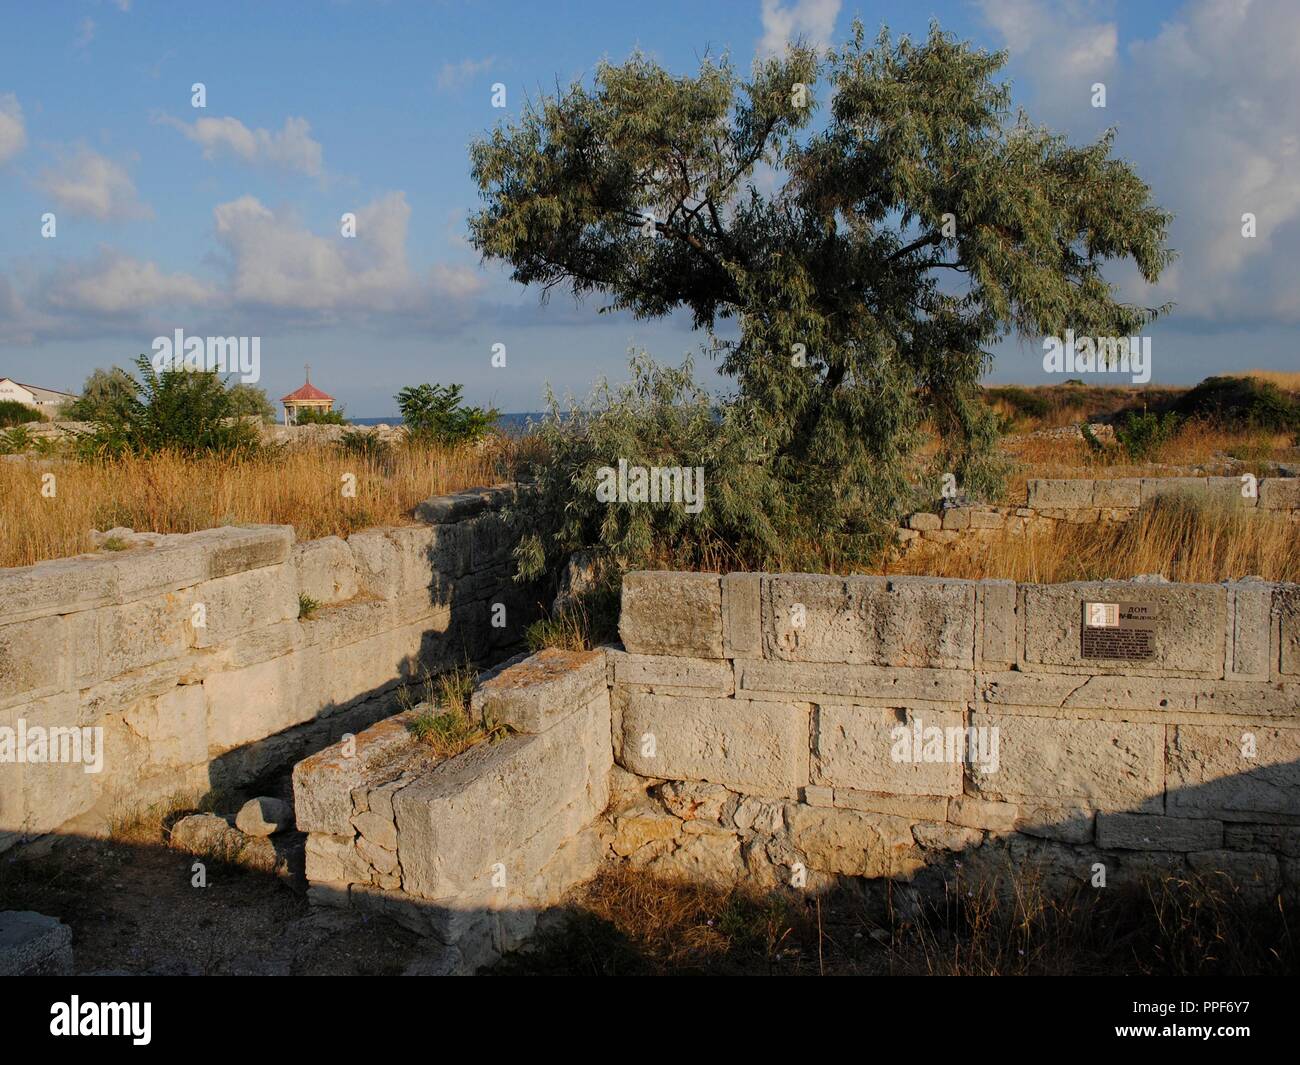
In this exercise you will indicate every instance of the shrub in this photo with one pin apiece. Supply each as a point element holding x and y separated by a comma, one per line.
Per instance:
<point>435,414</point>
<point>104,393</point>
<point>250,401</point>
<point>1142,435</point>
<point>315,416</point>
<point>1241,403</point>
<point>182,410</point>
<point>307,607</point>
<point>661,419</point>
<point>14,413</point>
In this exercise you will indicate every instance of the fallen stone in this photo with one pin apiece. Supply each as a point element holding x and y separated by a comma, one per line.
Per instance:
<point>264,816</point>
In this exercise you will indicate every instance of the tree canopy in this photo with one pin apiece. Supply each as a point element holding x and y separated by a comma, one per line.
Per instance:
<point>851,263</point>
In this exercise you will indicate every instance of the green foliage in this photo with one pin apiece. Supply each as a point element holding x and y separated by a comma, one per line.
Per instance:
<point>105,395</point>
<point>250,401</point>
<point>316,416</point>
<point>16,440</point>
<point>364,445</point>
<point>585,622</point>
<point>307,607</point>
<point>661,419</point>
<point>1242,403</point>
<point>1095,446</point>
<point>435,414</point>
<point>1025,403</point>
<point>14,413</point>
<point>178,409</point>
<point>823,298</point>
<point>1142,435</point>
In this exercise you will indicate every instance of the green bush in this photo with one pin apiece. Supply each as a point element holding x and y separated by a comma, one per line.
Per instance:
<point>1241,403</point>
<point>315,416</point>
<point>189,411</point>
<point>105,394</point>
<point>661,419</point>
<point>435,414</point>
<point>1142,435</point>
<point>14,413</point>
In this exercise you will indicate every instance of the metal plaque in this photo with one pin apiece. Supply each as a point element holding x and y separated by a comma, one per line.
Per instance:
<point>1124,631</point>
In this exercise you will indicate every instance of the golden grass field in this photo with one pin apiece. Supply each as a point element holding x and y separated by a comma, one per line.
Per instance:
<point>171,493</point>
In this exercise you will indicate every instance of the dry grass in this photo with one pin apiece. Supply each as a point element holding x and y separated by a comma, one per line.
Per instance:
<point>1287,380</point>
<point>171,493</point>
<point>1185,539</point>
<point>629,922</point>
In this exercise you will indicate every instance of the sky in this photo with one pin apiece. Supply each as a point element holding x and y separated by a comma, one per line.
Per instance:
<point>226,220</point>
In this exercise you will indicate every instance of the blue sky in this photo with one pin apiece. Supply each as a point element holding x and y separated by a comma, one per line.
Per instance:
<point>225,220</point>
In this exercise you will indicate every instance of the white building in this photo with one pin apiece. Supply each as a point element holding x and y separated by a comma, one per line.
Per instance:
<point>45,400</point>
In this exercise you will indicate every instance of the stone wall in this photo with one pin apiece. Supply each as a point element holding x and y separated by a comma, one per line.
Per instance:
<point>189,653</point>
<point>470,849</point>
<point>1085,501</point>
<point>788,728</point>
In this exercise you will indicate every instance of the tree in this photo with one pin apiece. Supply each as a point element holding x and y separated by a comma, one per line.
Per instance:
<point>855,304</point>
<point>104,392</point>
<point>249,400</point>
<point>435,414</point>
<point>178,409</point>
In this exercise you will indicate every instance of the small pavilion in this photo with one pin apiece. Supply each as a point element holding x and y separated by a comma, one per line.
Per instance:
<point>308,397</point>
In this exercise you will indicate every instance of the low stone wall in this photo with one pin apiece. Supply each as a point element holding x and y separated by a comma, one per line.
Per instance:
<point>795,728</point>
<point>189,655</point>
<point>1084,501</point>
<point>470,849</point>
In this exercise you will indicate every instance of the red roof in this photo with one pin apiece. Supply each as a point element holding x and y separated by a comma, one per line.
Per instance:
<point>308,391</point>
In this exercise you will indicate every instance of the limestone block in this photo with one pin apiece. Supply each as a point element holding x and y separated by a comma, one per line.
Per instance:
<point>849,842</point>
<point>986,519</point>
<point>1138,832</point>
<point>235,605</point>
<point>1007,690</point>
<point>956,518</point>
<point>1250,606</point>
<point>971,812</point>
<point>378,563</point>
<point>1117,492</point>
<point>118,639</point>
<point>234,550</point>
<point>929,807</point>
<point>491,539</point>
<point>634,829</point>
<point>667,613</point>
<point>1253,873</point>
<point>1190,632</point>
<point>1279,493</point>
<point>61,586</point>
<point>63,774</point>
<point>334,859</point>
<point>264,816</point>
<point>326,570</point>
<point>1286,604</point>
<point>1063,494</point>
<point>1103,765</point>
<point>501,809</point>
<point>742,615</point>
<point>1234,772</point>
<point>913,621</point>
<point>710,859</point>
<point>1154,487</point>
<point>377,828</point>
<point>948,837</point>
<point>383,861</point>
<point>534,694</point>
<point>323,783</point>
<point>33,658</point>
<point>251,703</point>
<point>867,685</point>
<point>871,749</point>
<point>756,747</point>
<point>675,676</point>
<point>1066,824</point>
<point>1283,839</point>
<point>925,522</point>
<point>999,637</point>
<point>174,726</point>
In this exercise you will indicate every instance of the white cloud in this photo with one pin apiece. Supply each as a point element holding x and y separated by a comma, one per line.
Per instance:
<point>112,283</point>
<point>277,263</point>
<point>454,75</point>
<point>813,20</point>
<point>1208,112</point>
<point>292,148</point>
<point>13,133</point>
<point>90,185</point>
